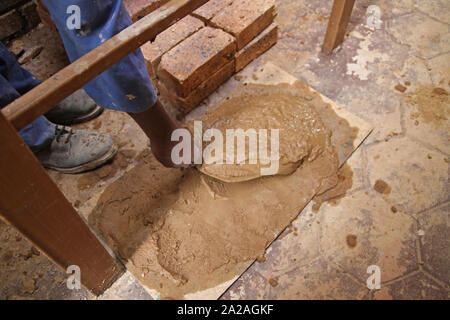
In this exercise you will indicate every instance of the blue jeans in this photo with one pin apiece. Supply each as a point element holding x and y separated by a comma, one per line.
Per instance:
<point>126,86</point>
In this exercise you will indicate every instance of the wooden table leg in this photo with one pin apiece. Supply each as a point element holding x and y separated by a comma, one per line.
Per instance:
<point>340,16</point>
<point>31,202</point>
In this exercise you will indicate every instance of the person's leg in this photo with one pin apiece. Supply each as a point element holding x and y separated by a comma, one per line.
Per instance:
<point>126,86</point>
<point>57,147</point>
<point>15,81</point>
<point>76,108</point>
<point>158,126</point>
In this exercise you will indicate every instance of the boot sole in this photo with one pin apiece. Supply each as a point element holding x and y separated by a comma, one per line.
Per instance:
<point>94,164</point>
<point>86,117</point>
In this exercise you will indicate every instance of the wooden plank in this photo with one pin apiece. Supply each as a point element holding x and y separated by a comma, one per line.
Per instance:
<point>42,98</point>
<point>340,16</point>
<point>33,204</point>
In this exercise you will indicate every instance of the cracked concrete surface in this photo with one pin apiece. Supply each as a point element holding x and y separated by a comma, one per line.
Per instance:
<point>405,231</point>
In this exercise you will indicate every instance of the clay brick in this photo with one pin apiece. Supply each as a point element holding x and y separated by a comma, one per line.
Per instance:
<point>245,19</point>
<point>148,56</point>
<point>140,8</point>
<point>210,9</point>
<point>202,91</point>
<point>155,85</point>
<point>11,23</point>
<point>168,39</point>
<point>257,46</point>
<point>195,59</point>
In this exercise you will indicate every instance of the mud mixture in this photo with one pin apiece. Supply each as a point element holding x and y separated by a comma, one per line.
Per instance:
<point>302,134</point>
<point>180,231</point>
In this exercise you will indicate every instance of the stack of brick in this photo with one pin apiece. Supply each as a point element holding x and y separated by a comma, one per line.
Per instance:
<point>16,18</point>
<point>140,8</point>
<point>166,40</point>
<point>193,57</point>
<point>192,70</point>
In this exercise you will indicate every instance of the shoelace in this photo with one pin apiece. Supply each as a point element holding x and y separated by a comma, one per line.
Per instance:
<point>62,130</point>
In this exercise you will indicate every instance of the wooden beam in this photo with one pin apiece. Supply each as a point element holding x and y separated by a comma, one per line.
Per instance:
<point>31,202</point>
<point>337,26</point>
<point>42,98</point>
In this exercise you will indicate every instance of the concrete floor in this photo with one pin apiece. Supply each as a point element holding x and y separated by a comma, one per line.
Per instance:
<point>405,231</point>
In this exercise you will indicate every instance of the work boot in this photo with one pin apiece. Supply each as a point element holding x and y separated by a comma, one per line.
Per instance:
<point>76,151</point>
<point>76,108</point>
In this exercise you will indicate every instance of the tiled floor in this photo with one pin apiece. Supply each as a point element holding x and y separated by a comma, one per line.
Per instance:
<point>404,231</point>
<point>411,246</point>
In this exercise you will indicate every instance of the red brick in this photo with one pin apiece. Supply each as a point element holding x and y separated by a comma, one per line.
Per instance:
<point>257,46</point>
<point>210,9</point>
<point>148,56</point>
<point>195,59</point>
<point>155,85</point>
<point>168,39</point>
<point>201,92</point>
<point>140,8</point>
<point>245,19</point>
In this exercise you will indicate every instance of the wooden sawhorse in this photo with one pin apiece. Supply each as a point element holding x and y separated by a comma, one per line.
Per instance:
<point>29,199</point>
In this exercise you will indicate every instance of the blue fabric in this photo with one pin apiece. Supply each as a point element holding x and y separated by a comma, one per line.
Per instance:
<point>124,87</point>
<point>14,82</point>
